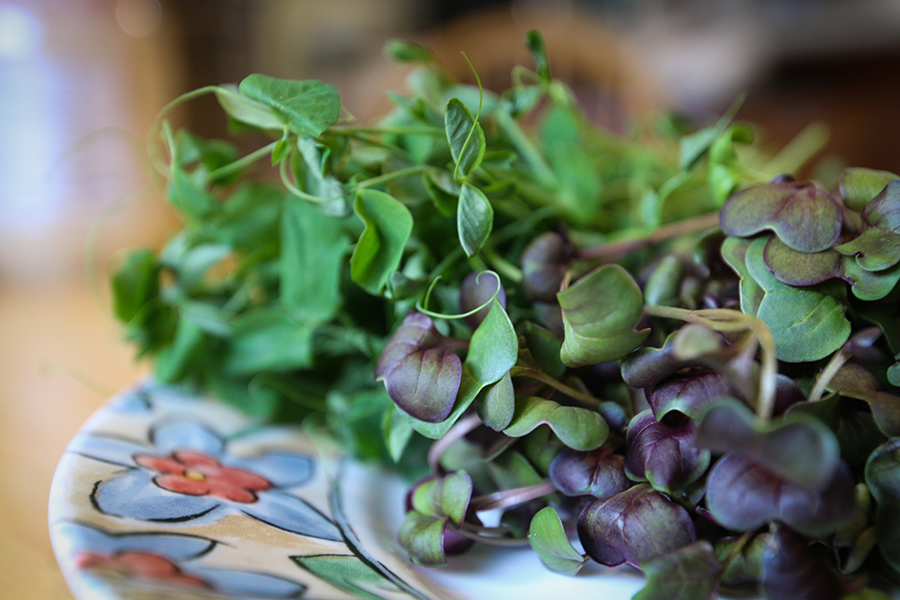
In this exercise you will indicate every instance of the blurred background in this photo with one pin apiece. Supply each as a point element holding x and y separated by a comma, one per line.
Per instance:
<point>82,80</point>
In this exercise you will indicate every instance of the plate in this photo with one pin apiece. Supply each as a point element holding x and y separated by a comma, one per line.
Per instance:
<point>165,495</point>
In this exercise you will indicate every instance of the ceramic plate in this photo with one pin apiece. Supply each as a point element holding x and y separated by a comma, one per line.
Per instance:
<point>166,496</point>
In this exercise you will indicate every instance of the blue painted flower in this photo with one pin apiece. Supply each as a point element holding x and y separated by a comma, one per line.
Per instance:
<point>158,559</point>
<point>186,474</point>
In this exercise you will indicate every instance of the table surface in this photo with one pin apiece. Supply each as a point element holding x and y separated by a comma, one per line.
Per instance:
<point>61,356</point>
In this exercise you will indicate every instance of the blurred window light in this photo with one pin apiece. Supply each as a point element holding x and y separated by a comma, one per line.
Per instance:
<point>139,18</point>
<point>20,32</point>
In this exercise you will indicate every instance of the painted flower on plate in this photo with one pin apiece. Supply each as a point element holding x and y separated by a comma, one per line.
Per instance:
<point>185,473</point>
<point>162,560</point>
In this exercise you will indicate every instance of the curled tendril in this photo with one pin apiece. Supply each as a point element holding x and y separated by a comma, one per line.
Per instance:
<point>420,306</point>
<point>465,145</point>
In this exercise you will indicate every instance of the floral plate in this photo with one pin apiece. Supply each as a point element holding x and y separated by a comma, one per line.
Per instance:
<point>165,495</point>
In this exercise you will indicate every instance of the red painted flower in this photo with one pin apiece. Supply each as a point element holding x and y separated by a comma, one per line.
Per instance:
<point>198,474</point>
<point>142,566</point>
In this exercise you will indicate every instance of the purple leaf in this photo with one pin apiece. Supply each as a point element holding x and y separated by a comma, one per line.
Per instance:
<point>792,571</point>
<point>597,473</point>
<point>420,372</point>
<point>634,526</point>
<point>689,393</point>
<point>806,218</point>
<point>476,289</point>
<point>664,452</point>
<point>544,265</point>
<point>742,495</point>
<point>883,211</point>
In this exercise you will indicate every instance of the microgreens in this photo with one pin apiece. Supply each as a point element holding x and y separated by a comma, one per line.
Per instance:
<point>653,340</point>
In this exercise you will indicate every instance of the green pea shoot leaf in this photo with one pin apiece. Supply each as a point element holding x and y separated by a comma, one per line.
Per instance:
<point>467,150</point>
<point>380,247</point>
<point>474,218</point>
<point>308,107</point>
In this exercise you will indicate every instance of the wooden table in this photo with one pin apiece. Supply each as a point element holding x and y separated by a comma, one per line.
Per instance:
<point>60,357</point>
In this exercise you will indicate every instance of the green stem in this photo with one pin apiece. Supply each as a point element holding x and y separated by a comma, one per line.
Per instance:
<point>557,385</point>
<point>619,248</point>
<point>542,171</point>
<point>513,497</point>
<point>502,266</point>
<point>354,130</point>
<point>834,365</point>
<point>241,162</point>
<point>391,176</point>
<point>457,432</point>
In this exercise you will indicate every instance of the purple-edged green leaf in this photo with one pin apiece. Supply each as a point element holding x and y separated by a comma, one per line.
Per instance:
<point>423,538</point>
<point>388,224</point>
<point>445,497</point>
<point>792,571</point>
<point>544,265</point>
<point>856,381</point>
<point>600,312</point>
<point>806,325</point>
<point>798,447</point>
<point>476,290</point>
<point>664,452</point>
<point>599,473</point>
<point>801,268</point>
<point>493,351</point>
<point>742,495</point>
<point>883,479</point>
<point>871,285</point>
<point>548,539</point>
<point>806,218</point>
<point>734,252</point>
<point>634,526</point>
<point>875,249</point>
<point>746,565</point>
<point>858,186</point>
<point>496,404</point>
<point>693,341</point>
<point>883,211</point>
<point>578,428</point>
<point>689,573</point>
<point>689,393</point>
<point>421,375</point>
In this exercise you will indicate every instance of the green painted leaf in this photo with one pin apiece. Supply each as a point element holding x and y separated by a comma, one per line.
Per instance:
<point>246,110</point>
<point>806,218</point>
<point>380,247</point>
<point>690,573</point>
<point>600,312</point>
<point>807,326</point>
<point>474,218</point>
<point>548,539</point>
<point>458,123</point>
<point>348,573</point>
<point>313,247</point>
<point>309,107</point>
<point>875,249</point>
<point>858,186</point>
<point>578,428</point>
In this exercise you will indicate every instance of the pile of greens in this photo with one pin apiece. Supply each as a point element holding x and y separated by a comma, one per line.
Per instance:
<point>656,341</point>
